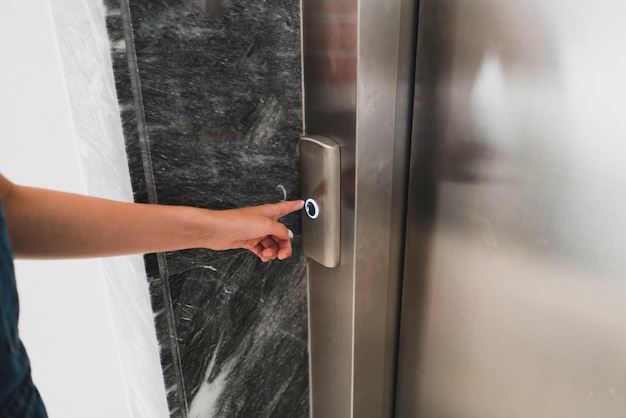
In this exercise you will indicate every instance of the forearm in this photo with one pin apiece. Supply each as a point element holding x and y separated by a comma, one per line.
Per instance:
<point>51,224</point>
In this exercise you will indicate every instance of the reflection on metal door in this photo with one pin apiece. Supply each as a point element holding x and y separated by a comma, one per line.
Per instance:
<point>514,291</point>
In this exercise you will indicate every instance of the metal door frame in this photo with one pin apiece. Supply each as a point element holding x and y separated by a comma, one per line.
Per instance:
<point>358,90</point>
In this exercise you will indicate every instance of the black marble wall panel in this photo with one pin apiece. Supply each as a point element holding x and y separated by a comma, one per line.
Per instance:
<point>219,105</point>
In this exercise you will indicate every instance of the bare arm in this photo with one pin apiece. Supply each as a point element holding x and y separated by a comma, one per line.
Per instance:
<point>51,224</point>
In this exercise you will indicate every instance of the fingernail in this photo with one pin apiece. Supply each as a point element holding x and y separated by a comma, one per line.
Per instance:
<point>290,233</point>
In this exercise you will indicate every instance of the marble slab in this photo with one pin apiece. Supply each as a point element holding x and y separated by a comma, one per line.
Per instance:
<point>221,103</point>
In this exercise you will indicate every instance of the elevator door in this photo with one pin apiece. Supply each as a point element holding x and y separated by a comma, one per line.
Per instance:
<point>514,288</point>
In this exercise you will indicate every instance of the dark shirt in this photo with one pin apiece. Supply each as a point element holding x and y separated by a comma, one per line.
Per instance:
<point>14,363</point>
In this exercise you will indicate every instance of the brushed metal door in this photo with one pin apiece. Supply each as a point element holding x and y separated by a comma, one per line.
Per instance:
<point>514,292</point>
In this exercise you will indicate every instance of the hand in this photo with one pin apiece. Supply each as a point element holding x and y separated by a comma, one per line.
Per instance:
<point>254,228</point>
<point>50,224</point>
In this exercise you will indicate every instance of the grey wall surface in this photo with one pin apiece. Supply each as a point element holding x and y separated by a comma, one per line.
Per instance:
<point>211,108</point>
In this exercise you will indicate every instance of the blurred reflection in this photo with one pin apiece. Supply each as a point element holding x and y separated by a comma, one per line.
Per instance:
<point>499,119</point>
<point>517,192</point>
<point>329,72</point>
<point>486,51</point>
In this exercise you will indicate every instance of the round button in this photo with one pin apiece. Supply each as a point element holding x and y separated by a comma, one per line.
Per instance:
<point>311,208</point>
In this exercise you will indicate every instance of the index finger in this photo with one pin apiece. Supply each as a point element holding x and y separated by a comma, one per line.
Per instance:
<point>284,208</point>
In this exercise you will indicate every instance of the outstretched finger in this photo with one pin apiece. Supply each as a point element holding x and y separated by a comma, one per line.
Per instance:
<point>285,208</point>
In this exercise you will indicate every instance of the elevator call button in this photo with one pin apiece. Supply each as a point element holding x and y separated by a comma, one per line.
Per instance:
<point>320,182</point>
<point>311,208</point>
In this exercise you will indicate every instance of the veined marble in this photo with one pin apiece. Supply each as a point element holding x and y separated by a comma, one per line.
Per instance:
<point>221,97</point>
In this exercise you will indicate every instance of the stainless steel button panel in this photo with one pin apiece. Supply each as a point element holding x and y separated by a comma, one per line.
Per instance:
<point>320,188</point>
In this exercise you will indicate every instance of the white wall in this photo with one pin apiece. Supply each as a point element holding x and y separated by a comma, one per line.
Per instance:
<point>86,324</point>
